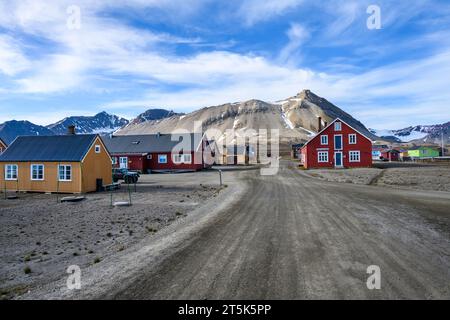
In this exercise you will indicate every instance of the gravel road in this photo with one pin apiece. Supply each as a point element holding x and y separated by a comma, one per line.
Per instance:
<point>291,236</point>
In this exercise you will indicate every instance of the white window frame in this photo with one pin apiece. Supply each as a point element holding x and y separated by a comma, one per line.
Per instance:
<point>98,148</point>
<point>351,156</point>
<point>177,158</point>
<point>187,158</point>
<point>7,171</point>
<point>164,156</point>
<point>32,171</point>
<point>338,126</point>
<point>322,139</point>
<point>350,136</point>
<point>114,160</point>
<point>322,156</point>
<point>120,162</point>
<point>65,172</point>
<point>182,158</point>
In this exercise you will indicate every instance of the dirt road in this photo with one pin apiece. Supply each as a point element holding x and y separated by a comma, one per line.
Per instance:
<point>294,237</point>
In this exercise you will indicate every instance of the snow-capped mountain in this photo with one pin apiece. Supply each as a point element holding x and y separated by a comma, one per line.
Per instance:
<point>153,114</point>
<point>101,123</point>
<point>11,129</point>
<point>417,134</point>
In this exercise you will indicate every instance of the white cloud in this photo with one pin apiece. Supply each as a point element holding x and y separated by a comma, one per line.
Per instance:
<point>12,60</point>
<point>253,11</point>
<point>297,35</point>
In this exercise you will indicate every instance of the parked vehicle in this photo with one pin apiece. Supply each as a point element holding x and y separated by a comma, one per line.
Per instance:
<point>126,175</point>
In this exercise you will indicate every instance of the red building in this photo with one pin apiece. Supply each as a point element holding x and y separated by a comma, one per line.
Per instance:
<point>338,145</point>
<point>390,155</point>
<point>157,152</point>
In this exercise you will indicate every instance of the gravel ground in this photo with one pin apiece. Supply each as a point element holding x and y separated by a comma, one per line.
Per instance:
<point>287,236</point>
<point>40,238</point>
<point>415,177</point>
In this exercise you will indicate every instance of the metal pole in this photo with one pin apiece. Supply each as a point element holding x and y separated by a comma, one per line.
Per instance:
<point>129,193</point>
<point>220,177</point>
<point>442,141</point>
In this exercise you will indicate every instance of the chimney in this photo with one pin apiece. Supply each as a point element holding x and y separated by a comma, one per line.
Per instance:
<point>325,123</point>
<point>71,129</point>
<point>319,124</point>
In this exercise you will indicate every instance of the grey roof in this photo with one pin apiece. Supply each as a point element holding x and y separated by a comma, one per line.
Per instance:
<point>150,143</point>
<point>3,142</point>
<point>48,148</point>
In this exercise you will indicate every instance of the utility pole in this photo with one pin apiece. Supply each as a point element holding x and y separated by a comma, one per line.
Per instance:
<point>442,141</point>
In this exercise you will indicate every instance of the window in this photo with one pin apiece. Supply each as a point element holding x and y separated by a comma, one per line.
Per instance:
<point>187,158</point>
<point>352,138</point>
<point>337,126</point>
<point>97,148</point>
<point>322,156</point>
<point>181,158</point>
<point>11,172</point>
<point>177,158</point>
<point>324,139</point>
<point>123,162</point>
<point>355,156</point>
<point>114,160</point>
<point>149,157</point>
<point>162,158</point>
<point>65,173</point>
<point>37,172</point>
<point>338,142</point>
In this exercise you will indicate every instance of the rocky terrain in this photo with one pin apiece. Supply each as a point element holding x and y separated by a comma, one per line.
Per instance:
<point>41,238</point>
<point>411,176</point>
<point>296,118</point>
<point>419,134</point>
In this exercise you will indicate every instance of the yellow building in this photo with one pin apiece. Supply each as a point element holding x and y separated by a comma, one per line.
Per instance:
<point>64,164</point>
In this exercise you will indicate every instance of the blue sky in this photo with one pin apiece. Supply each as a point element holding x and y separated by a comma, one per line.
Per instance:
<point>128,56</point>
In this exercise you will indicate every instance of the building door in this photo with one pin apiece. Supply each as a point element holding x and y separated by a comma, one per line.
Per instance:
<point>123,161</point>
<point>338,159</point>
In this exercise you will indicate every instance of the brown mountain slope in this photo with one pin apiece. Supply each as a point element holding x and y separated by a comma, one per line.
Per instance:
<point>295,117</point>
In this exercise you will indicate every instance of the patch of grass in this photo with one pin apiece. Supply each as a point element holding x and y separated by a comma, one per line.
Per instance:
<point>27,258</point>
<point>27,270</point>
<point>109,234</point>
<point>91,251</point>
<point>178,213</point>
<point>97,260</point>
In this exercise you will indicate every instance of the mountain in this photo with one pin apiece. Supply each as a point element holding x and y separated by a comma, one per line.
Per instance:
<point>101,123</point>
<point>417,134</point>
<point>11,129</point>
<point>153,114</point>
<point>296,118</point>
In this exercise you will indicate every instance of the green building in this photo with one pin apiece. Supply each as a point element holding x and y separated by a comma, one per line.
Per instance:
<point>423,152</point>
